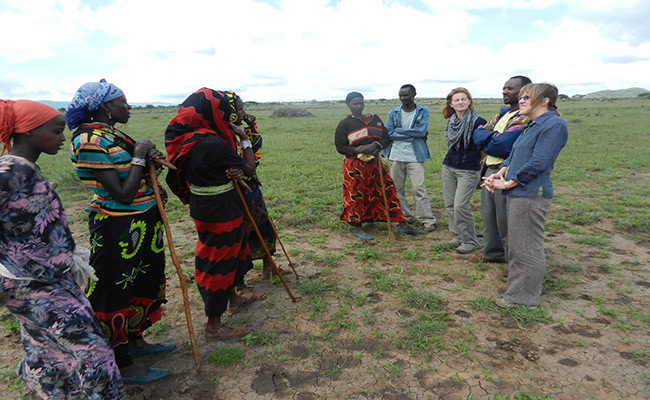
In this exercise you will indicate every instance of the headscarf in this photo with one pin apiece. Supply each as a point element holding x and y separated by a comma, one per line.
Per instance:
<point>461,129</point>
<point>205,112</point>
<point>87,100</point>
<point>22,116</point>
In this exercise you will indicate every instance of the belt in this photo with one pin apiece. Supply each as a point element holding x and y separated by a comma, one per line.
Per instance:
<point>496,166</point>
<point>211,190</point>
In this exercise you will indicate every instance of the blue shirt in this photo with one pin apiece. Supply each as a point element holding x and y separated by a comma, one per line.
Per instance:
<point>533,155</point>
<point>416,134</point>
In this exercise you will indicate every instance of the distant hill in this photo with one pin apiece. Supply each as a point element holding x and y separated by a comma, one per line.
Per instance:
<point>64,104</point>
<point>617,94</point>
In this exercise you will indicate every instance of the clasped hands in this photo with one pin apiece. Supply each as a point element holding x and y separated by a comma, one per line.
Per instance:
<point>372,149</point>
<point>493,182</point>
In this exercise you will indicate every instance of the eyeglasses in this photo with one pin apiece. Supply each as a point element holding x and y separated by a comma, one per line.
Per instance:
<point>524,97</point>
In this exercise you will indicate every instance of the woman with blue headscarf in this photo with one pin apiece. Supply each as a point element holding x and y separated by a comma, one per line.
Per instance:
<point>126,231</point>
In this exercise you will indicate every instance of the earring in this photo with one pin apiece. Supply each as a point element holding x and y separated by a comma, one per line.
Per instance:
<point>110,116</point>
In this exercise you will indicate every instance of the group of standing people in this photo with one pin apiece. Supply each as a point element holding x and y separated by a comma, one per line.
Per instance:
<point>83,311</point>
<point>81,343</point>
<point>512,169</point>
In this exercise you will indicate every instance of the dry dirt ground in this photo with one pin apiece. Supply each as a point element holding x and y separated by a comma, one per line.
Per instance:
<point>353,340</point>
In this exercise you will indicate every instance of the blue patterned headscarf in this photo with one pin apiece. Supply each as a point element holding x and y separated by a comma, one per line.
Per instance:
<point>87,99</point>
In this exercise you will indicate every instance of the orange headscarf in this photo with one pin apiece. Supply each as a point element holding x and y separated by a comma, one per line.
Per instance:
<point>22,116</point>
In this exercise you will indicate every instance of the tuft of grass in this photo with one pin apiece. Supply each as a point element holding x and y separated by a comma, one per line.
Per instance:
<point>424,301</point>
<point>369,255</point>
<point>160,328</point>
<point>536,395</point>
<point>226,356</point>
<point>382,281</point>
<point>567,267</point>
<point>10,324</point>
<point>596,241</point>
<point>425,333</point>
<point>558,284</point>
<point>261,338</point>
<point>523,315</point>
<point>314,286</point>
<point>482,304</point>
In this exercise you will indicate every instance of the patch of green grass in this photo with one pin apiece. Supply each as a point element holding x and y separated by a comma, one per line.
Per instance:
<point>331,259</point>
<point>536,395</point>
<point>10,324</point>
<point>317,305</point>
<point>641,355</point>
<point>600,253</point>
<point>482,304</point>
<point>261,338</point>
<point>596,241</point>
<point>357,298</point>
<point>425,333</point>
<point>368,318</point>
<point>226,356</point>
<point>555,284</point>
<point>442,247</point>
<point>523,315</point>
<point>369,255</point>
<point>424,301</point>
<point>314,286</point>
<point>382,280</point>
<point>14,382</point>
<point>411,255</point>
<point>160,328</point>
<point>566,267</point>
<point>311,255</point>
<point>462,345</point>
<point>394,370</point>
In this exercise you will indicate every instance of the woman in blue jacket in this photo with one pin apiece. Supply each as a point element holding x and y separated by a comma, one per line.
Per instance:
<point>525,177</point>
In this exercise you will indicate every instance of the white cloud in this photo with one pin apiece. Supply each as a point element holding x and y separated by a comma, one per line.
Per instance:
<point>304,49</point>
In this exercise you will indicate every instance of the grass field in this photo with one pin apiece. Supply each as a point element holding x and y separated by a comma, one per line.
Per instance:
<point>411,319</point>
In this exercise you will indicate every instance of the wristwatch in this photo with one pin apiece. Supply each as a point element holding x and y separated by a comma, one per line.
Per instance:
<point>505,184</point>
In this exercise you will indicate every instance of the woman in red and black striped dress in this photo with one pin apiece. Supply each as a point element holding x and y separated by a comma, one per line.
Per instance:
<point>360,138</point>
<point>200,140</point>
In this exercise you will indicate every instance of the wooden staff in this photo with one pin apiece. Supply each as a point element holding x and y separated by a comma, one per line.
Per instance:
<point>383,192</point>
<point>236,183</point>
<point>172,252</point>
<point>283,250</point>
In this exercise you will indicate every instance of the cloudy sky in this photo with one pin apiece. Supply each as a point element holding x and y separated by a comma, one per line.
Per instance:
<point>285,50</point>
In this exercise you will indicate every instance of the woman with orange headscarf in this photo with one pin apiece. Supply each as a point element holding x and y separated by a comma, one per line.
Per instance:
<point>66,352</point>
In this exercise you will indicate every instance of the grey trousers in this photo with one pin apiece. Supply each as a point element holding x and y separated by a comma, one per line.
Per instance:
<point>458,185</point>
<point>527,263</point>
<point>495,222</point>
<point>415,170</point>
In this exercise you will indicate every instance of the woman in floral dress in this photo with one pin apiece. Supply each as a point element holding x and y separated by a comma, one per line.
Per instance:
<point>66,353</point>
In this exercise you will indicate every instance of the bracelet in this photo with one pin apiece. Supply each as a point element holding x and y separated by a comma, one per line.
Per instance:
<point>246,144</point>
<point>140,162</point>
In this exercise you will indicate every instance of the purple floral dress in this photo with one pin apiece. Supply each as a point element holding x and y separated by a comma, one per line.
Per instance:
<point>66,353</point>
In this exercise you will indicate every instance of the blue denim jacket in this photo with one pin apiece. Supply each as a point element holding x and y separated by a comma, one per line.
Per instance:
<point>416,135</point>
<point>533,155</point>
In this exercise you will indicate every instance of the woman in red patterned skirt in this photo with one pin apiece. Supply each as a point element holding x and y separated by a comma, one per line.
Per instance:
<point>360,138</point>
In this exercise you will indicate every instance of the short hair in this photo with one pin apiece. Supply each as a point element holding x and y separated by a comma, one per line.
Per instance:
<point>447,111</point>
<point>538,92</point>
<point>523,79</point>
<point>351,96</point>
<point>409,86</point>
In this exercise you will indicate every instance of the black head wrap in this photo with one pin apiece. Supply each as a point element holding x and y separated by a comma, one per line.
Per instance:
<point>351,96</point>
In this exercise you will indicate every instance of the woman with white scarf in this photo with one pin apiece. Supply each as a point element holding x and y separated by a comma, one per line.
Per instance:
<point>461,168</point>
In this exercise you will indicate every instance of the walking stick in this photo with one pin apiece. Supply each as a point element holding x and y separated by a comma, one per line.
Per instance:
<point>235,183</point>
<point>283,250</point>
<point>172,252</point>
<point>383,192</point>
